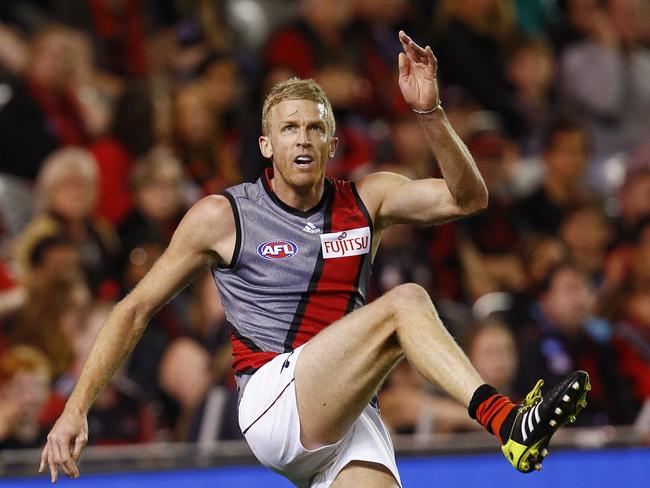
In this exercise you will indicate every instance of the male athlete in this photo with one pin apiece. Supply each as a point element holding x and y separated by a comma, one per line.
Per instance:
<point>291,256</point>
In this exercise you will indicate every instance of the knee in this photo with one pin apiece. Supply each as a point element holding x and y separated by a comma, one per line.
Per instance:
<point>408,298</point>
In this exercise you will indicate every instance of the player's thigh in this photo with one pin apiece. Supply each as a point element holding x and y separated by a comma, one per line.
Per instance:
<point>339,370</point>
<point>359,473</point>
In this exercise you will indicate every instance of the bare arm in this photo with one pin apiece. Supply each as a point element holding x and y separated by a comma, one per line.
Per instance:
<point>205,235</point>
<point>395,199</point>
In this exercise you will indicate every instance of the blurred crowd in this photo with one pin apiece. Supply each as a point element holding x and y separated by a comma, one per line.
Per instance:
<point>117,115</point>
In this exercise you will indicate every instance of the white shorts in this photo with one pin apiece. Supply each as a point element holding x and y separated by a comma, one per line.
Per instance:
<point>268,417</point>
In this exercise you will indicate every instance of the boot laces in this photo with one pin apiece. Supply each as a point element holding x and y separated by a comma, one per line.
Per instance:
<point>534,396</point>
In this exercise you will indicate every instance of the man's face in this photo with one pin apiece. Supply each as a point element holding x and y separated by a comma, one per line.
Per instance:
<point>298,143</point>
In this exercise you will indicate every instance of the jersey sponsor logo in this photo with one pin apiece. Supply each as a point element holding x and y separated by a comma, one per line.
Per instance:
<point>347,243</point>
<point>277,249</point>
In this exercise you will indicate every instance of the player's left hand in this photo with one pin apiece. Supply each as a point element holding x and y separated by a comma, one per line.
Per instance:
<point>417,74</point>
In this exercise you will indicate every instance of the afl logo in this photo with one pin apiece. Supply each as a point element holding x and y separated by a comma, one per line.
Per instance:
<point>277,249</point>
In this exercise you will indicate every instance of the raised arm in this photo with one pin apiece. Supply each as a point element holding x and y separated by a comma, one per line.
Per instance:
<point>394,199</point>
<point>205,235</point>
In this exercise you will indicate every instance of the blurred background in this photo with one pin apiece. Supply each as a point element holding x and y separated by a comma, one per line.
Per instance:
<point>117,115</point>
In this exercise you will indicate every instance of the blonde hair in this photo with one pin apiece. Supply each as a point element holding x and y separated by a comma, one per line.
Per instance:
<point>66,162</point>
<point>297,89</point>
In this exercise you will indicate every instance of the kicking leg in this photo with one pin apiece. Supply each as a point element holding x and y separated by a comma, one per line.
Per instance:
<point>341,368</point>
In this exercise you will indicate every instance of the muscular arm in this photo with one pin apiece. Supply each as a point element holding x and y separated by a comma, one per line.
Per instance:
<point>396,199</point>
<point>205,235</point>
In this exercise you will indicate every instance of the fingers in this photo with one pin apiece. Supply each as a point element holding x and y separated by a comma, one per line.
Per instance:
<point>54,474</point>
<point>55,450</point>
<point>57,454</point>
<point>412,49</point>
<point>404,65</point>
<point>41,466</point>
<point>46,459</point>
<point>79,443</point>
<point>61,449</point>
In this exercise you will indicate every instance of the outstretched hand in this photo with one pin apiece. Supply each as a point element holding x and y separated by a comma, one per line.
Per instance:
<point>417,75</point>
<point>64,445</point>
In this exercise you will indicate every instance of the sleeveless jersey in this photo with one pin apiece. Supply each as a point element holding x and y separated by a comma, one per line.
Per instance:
<point>292,273</point>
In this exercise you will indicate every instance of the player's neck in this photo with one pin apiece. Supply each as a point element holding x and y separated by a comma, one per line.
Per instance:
<point>299,198</point>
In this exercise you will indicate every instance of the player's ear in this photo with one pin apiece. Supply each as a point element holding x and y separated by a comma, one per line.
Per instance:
<point>265,147</point>
<point>334,143</point>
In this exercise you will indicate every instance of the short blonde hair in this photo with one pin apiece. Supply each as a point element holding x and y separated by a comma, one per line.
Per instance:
<point>297,89</point>
<point>65,162</point>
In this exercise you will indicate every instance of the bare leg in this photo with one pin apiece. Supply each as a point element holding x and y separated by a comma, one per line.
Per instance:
<point>341,368</point>
<point>368,475</point>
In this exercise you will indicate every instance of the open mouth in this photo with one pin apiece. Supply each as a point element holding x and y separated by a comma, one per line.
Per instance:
<point>303,160</point>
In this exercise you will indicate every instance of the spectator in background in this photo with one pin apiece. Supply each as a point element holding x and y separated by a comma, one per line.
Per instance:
<point>42,113</point>
<point>632,337</point>
<point>565,156</point>
<point>564,335</point>
<point>198,139</point>
<point>489,241</point>
<point>320,35</point>
<point>135,130</point>
<point>604,79</point>
<point>49,318</point>
<point>587,233</point>
<point>326,35</point>
<point>67,189</point>
<point>157,183</point>
<point>530,70</point>
<point>25,376</point>
<point>221,80</point>
<point>492,349</point>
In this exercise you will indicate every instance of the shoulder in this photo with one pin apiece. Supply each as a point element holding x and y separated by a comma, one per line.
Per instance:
<point>373,187</point>
<point>211,210</point>
<point>207,222</point>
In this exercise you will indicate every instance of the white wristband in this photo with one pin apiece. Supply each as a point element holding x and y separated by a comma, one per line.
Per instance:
<point>424,112</point>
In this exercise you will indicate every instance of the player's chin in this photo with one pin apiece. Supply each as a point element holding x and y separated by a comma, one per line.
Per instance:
<point>307,175</point>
